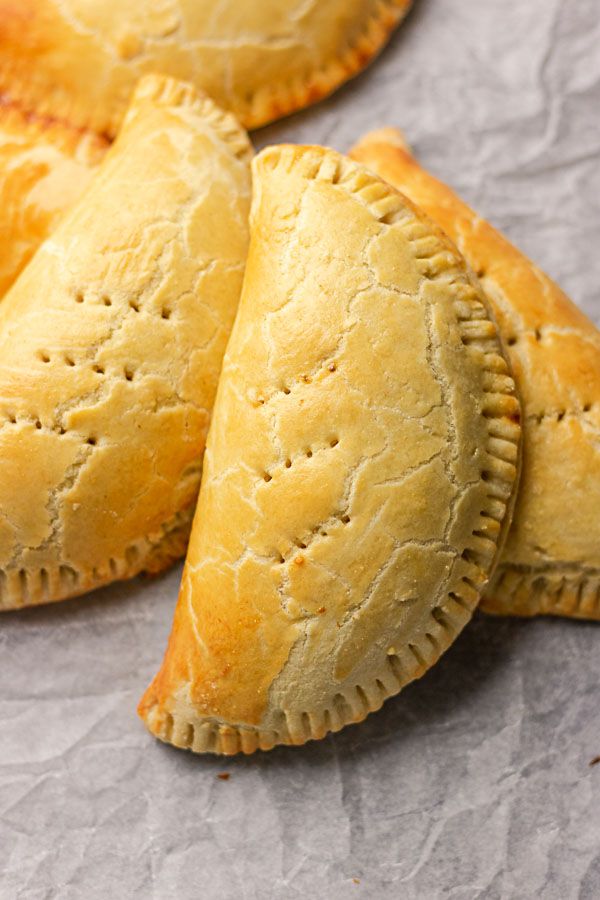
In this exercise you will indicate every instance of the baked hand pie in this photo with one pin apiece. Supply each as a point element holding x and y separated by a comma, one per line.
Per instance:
<point>111,342</point>
<point>262,59</point>
<point>44,168</point>
<point>551,561</point>
<point>359,469</point>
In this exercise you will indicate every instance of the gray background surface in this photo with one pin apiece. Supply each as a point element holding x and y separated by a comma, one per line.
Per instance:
<point>475,781</point>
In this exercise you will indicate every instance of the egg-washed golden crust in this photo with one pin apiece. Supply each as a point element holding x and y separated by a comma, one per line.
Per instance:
<point>44,168</point>
<point>359,468</point>
<point>551,561</point>
<point>111,342</point>
<point>262,60</point>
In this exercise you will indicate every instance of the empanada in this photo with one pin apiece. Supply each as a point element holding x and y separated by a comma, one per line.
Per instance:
<point>358,474</point>
<point>111,342</point>
<point>261,59</point>
<point>551,562</point>
<point>44,168</point>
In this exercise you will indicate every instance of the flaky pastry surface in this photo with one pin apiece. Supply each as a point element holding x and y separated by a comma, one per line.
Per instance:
<point>111,342</point>
<point>44,168</point>
<point>260,59</point>
<point>359,468</point>
<point>551,561</point>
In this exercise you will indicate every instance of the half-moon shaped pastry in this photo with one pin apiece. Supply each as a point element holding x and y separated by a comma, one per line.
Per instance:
<point>79,61</point>
<point>44,168</point>
<point>111,342</point>
<point>551,561</point>
<point>359,469</point>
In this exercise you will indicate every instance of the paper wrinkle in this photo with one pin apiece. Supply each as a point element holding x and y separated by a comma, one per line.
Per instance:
<point>476,781</point>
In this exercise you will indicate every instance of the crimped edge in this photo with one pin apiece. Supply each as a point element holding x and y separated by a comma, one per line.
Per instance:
<point>266,104</point>
<point>165,91</point>
<point>21,588</point>
<point>276,101</point>
<point>546,591</point>
<point>181,726</point>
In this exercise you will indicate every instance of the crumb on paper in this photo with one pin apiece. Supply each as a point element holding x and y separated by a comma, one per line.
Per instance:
<point>224,776</point>
<point>595,761</point>
<point>356,880</point>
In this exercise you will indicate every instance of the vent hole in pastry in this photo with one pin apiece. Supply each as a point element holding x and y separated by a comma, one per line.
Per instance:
<point>134,305</point>
<point>309,453</point>
<point>279,559</point>
<point>538,334</point>
<point>92,441</point>
<point>332,367</point>
<point>43,356</point>
<point>107,301</point>
<point>334,442</point>
<point>69,361</point>
<point>98,369</point>
<point>480,272</point>
<point>560,416</point>
<point>267,477</point>
<point>485,475</point>
<point>165,314</point>
<point>288,463</point>
<point>512,340</point>
<point>128,374</point>
<point>12,419</point>
<point>79,297</point>
<point>301,545</point>
<point>61,430</point>
<point>286,390</point>
<point>38,424</point>
<point>345,519</point>
<point>587,407</point>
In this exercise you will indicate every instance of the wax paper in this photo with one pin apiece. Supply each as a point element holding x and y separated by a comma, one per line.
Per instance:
<point>476,781</point>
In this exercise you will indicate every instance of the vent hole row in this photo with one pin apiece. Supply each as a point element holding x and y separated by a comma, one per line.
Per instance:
<point>307,379</point>
<point>308,453</point>
<point>128,373</point>
<point>301,545</point>
<point>13,420</point>
<point>165,312</point>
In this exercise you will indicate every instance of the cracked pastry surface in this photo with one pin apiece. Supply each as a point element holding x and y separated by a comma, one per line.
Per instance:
<point>79,61</point>
<point>44,168</point>
<point>359,469</point>
<point>111,342</point>
<point>551,561</point>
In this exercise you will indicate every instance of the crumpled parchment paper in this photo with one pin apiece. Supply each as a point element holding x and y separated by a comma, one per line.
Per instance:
<point>476,781</point>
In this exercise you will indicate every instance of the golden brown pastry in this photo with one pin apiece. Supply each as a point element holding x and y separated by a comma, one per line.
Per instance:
<point>261,59</point>
<point>111,342</point>
<point>551,562</point>
<point>359,468</point>
<point>44,168</point>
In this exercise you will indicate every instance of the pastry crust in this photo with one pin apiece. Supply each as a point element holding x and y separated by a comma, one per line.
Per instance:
<point>262,60</point>
<point>44,168</point>
<point>111,342</point>
<point>358,474</point>
<point>551,562</point>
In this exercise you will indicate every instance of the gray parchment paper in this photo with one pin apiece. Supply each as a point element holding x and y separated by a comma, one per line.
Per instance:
<point>476,781</point>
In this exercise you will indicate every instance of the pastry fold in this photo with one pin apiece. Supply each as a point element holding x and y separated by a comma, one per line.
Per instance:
<point>359,469</point>
<point>111,343</point>
<point>551,561</point>
<point>261,59</point>
<point>44,168</point>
